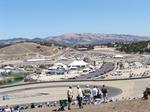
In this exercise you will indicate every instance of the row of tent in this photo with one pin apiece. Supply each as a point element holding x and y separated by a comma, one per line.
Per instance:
<point>60,68</point>
<point>74,64</point>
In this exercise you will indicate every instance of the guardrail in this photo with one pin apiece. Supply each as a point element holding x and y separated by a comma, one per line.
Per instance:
<point>71,80</point>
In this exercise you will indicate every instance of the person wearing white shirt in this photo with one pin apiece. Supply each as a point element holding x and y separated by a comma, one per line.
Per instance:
<point>94,92</point>
<point>7,109</point>
<point>79,96</point>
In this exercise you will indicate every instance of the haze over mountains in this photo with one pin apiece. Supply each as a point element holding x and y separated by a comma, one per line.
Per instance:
<point>72,39</point>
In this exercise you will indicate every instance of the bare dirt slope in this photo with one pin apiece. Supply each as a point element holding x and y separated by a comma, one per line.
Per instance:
<point>120,106</point>
<point>27,49</point>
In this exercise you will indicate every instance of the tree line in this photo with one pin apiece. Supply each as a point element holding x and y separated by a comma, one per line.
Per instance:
<point>133,47</point>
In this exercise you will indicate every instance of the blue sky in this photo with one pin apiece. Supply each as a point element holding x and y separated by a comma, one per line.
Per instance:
<point>42,18</point>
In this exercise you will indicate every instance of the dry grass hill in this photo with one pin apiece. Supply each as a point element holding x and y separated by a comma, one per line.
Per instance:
<point>73,39</point>
<point>26,50</point>
<point>120,106</point>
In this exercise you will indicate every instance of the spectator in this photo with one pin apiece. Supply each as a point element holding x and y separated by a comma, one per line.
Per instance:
<point>7,109</point>
<point>32,105</point>
<point>94,93</point>
<point>148,90</point>
<point>99,93</point>
<point>17,108</point>
<point>79,96</point>
<point>87,93</point>
<point>69,96</point>
<point>104,92</point>
<point>145,95</point>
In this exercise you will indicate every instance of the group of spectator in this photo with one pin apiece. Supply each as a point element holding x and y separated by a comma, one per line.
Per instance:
<point>22,107</point>
<point>87,95</point>
<point>7,109</point>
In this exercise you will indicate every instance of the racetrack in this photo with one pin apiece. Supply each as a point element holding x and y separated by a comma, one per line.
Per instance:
<point>52,91</point>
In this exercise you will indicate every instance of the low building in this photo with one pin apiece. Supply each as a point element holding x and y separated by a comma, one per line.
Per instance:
<point>78,64</point>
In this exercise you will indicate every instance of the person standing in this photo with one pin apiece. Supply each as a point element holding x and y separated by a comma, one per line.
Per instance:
<point>104,92</point>
<point>145,95</point>
<point>94,93</point>
<point>79,96</point>
<point>87,93</point>
<point>99,93</point>
<point>69,96</point>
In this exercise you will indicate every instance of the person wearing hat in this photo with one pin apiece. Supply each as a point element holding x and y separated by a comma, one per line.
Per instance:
<point>79,96</point>
<point>69,96</point>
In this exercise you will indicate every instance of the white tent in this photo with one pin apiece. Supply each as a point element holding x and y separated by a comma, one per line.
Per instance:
<point>9,67</point>
<point>61,65</point>
<point>118,56</point>
<point>53,68</point>
<point>118,72</point>
<point>38,59</point>
<point>63,58</point>
<point>78,64</point>
<point>92,67</point>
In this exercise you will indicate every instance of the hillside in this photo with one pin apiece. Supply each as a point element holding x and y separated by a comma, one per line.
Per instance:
<point>26,50</point>
<point>120,106</point>
<point>72,39</point>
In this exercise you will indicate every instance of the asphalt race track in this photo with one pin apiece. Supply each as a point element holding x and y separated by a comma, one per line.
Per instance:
<point>54,91</point>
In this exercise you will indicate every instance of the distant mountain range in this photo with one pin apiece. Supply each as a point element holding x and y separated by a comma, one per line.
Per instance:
<point>72,39</point>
